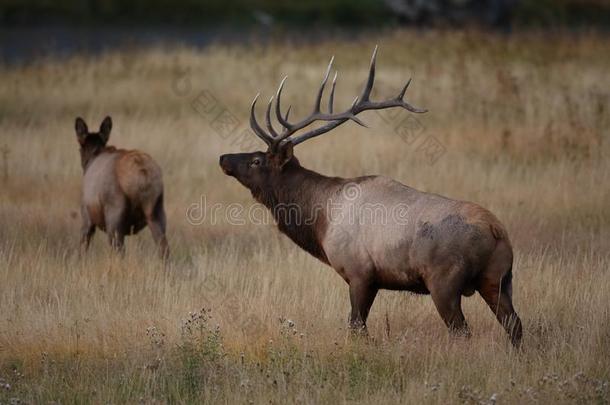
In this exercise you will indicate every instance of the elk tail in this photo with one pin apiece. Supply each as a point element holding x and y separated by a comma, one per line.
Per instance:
<point>497,231</point>
<point>507,281</point>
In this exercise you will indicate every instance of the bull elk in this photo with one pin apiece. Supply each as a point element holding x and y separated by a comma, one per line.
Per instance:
<point>122,190</point>
<point>437,246</point>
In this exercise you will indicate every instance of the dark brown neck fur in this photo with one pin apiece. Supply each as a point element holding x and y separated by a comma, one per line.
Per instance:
<point>297,198</point>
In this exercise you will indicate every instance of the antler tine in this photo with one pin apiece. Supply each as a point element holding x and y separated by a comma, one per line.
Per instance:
<point>278,111</point>
<point>352,115</point>
<point>406,105</point>
<point>316,108</point>
<point>366,92</point>
<point>272,131</point>
<point>257,128</point>
<point>404,90</point>
<point>331,99</point>
<point>287,112</point>
<point>358,121</point>
<point>413,109</point>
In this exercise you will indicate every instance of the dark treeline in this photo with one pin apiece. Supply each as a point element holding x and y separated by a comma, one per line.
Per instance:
<point>339,12</point>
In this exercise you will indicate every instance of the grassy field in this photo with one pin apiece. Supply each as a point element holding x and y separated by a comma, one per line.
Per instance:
<point>246,316</point>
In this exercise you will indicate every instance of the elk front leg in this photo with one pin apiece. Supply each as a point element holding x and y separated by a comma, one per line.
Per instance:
<point>361,294</point>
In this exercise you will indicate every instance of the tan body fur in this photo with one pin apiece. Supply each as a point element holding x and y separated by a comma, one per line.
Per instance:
<point>402,249</point>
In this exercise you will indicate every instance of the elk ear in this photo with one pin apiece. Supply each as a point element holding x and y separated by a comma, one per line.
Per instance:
<point>81,130</point>
<point>284,154</point>
<point>105,129</point>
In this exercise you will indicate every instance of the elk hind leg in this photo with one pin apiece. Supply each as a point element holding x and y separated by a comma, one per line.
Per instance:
<point>86,233</point>
<point>446,294</point>
<point>115,226</point>
<point>497,295</point>
<point>156,221</point>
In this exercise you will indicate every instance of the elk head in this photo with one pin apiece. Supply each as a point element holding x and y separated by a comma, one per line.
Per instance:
<point>91,143</point>
<point>259,170</point>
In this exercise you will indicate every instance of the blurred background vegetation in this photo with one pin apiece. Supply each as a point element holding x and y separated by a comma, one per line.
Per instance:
<point>496,13</point>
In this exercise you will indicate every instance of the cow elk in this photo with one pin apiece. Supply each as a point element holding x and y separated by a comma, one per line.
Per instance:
<point>437,245</point>
<point>122,190</point>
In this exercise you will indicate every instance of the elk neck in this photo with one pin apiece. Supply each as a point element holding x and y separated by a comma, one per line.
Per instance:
<point>88,156</point>
<point>297,198</point>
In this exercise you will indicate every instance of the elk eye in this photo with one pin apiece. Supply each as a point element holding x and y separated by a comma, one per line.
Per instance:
<point>255,162</point>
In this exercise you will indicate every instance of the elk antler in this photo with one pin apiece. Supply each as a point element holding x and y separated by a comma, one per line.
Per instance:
<point>360,104</point>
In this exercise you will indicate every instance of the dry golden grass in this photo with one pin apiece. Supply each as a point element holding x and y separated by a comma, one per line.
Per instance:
<point>524,121</point>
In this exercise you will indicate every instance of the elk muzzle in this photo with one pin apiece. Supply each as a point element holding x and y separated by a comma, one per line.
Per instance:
<point>227,164</point>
